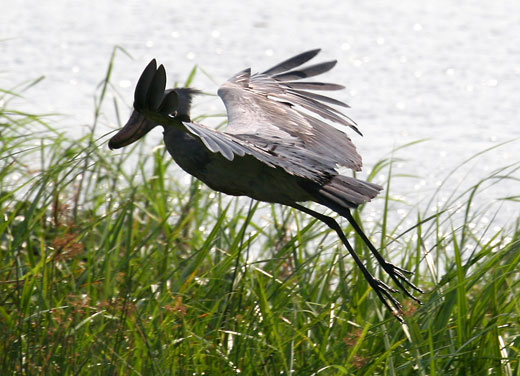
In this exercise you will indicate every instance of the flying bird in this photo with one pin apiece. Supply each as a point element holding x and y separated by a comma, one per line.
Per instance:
<point>279,147</point>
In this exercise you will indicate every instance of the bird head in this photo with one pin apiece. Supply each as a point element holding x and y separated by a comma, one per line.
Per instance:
<point>153,105</point>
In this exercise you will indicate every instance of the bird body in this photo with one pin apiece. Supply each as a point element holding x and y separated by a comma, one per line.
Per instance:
<point>279,146</point>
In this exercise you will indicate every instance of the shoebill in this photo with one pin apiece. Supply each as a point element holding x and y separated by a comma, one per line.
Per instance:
<point>278,147</point>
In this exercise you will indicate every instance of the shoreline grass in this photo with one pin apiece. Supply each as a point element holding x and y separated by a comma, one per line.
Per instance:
<point>111,266</point>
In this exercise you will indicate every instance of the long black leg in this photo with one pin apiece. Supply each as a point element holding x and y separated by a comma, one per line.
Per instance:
<point>396,273</point>
<point>383,291</point>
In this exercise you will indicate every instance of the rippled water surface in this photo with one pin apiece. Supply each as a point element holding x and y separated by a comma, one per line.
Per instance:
<point>441,70</point>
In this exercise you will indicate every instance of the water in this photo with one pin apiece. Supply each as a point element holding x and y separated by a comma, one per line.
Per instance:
<point>441,70</point>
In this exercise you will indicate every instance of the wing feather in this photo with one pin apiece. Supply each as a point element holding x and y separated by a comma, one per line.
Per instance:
<point>314,85</point>
<point>311,71</point>
<point>272,108</point>
<point>293,62</point>
<point>216,142</point>
<point>318,97</point>
<point>303,163</point>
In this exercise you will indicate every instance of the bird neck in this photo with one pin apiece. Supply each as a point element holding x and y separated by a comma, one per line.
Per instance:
<point>187,150</point>
<point>174,126</point>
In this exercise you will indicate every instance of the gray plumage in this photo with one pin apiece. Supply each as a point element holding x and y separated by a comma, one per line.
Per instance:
<point>279,146</point>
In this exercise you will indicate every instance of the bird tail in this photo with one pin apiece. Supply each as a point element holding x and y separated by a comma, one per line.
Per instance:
<point>343,192</point>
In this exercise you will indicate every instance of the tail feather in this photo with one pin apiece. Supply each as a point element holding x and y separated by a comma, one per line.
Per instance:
<point>346,192</point>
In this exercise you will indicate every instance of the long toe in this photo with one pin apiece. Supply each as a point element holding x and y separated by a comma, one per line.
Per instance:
<point>383,290</point>
<point>397,275</point>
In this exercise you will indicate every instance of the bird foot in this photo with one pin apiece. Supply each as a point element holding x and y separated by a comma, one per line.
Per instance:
<point>384,292</point>
<point>400,276</point>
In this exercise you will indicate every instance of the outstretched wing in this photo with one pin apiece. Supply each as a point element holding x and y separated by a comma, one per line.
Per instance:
<point>275,108</point>
<point>303,163</point>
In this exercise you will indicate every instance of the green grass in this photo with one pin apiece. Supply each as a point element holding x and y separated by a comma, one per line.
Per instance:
<point>109,265</point>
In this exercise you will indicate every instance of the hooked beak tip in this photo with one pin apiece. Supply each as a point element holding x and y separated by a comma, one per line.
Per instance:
<point>136,127</point>
<point>115,143</point>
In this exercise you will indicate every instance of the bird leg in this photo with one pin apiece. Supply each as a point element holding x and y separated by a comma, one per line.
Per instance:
<point>398,274</point>
<point>383,291</point>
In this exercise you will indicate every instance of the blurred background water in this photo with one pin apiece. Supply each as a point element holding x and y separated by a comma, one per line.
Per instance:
<point>439,70</point>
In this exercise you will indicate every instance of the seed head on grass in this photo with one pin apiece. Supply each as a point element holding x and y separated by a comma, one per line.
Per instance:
<point>178,307</point>
<point>352,338</point>
<point>67,247</point>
